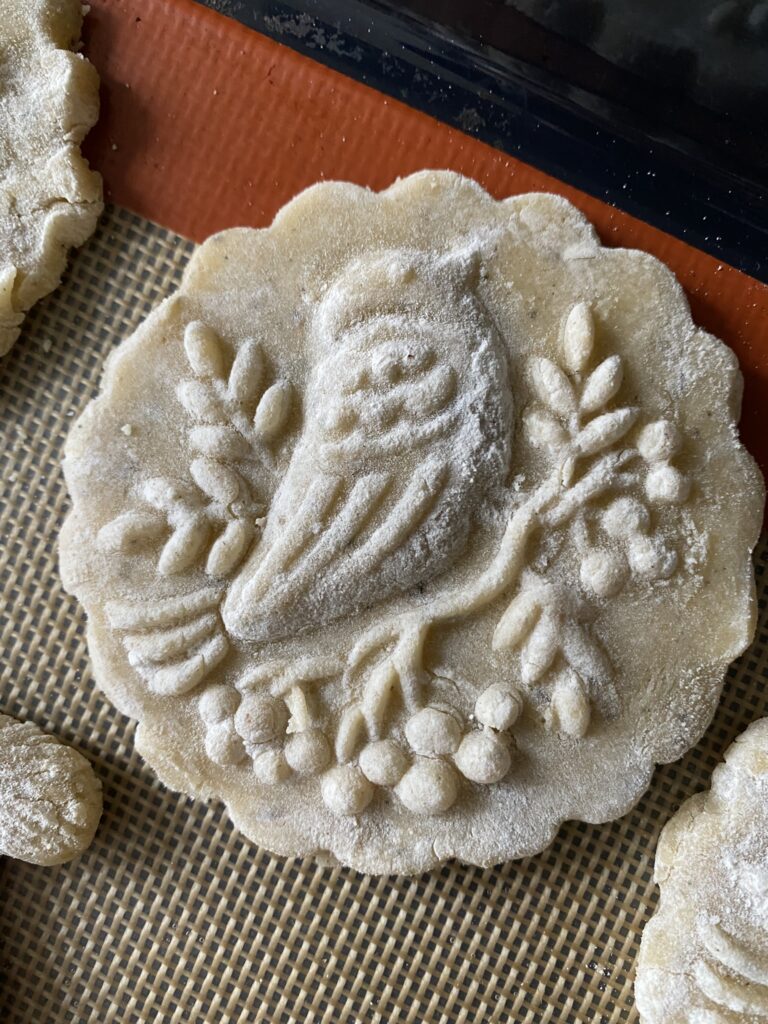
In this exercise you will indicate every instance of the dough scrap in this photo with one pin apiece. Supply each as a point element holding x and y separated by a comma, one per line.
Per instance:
<point>50,798</point>
<point>415,525</point>
<point>704,953</point>
<point>50,200</point>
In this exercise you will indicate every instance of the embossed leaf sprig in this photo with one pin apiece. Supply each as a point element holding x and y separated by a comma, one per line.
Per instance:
<point>542,623</point>
<point>572,421</point>
<point>236,421</point>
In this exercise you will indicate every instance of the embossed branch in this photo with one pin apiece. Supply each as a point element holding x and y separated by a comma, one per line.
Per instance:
<point>573,422</point>
<point>402,669</point>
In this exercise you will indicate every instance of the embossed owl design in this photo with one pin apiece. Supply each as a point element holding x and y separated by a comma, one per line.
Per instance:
<point>377,517</point>
<point>406,432</point>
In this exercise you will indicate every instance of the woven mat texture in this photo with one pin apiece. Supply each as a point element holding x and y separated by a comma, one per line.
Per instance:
<point>171,916</point>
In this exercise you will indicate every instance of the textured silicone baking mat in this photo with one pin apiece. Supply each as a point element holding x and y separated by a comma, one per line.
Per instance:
<point>171,916</point>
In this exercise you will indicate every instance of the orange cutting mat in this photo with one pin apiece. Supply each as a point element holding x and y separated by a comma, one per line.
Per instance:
<point>206,124</point>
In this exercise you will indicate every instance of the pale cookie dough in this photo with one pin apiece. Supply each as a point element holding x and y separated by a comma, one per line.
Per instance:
<point>415,525</point>
<point>50,799</point>
<point>704,954</point>
<point>49,198</point>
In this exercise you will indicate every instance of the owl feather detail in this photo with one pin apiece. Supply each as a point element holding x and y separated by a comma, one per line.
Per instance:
<point>406,432</point>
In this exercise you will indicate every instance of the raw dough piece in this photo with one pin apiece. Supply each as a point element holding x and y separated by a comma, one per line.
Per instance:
<point>49,198</point>
<point>414,525</point>
<point>704,954</point>
<point>50,799</point>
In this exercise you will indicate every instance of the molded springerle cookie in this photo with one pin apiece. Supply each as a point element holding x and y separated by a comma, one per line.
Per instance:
<point>704,954</point>
<point>49,198</point>
<point>415,525</point>
<point>50,798</point>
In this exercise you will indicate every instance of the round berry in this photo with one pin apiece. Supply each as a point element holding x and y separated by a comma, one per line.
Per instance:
<point>260,718</point>
<point>308,752</point>
<point>218,703</point>
<point>499,706</point>
<point>428,787</point>
<point>270,766</point>
<point>432,732</point>
<point>384,763</point>
<point>666,485</point>
<point>624,517</point>
<point>650,558</point>
<point>346,790</point>
<point>483,757</point>
<point>603,572</point>
<point>223,746</point>
<point>658,441</point>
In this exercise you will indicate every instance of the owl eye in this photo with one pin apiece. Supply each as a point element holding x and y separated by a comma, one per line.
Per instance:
<point>414,360</point>
<point>399,361</point>
<point>385,368</point>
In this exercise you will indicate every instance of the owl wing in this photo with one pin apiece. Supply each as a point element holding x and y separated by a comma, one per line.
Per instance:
<point>372,502</point>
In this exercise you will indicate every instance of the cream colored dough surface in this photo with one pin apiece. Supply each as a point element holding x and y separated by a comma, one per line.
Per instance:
<point>50,798</point>
<point>415,525</point>
<point>50,200</point>
<point>704,954</point>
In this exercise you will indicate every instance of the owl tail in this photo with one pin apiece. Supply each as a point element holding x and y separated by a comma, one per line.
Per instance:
<point>173,644</point>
